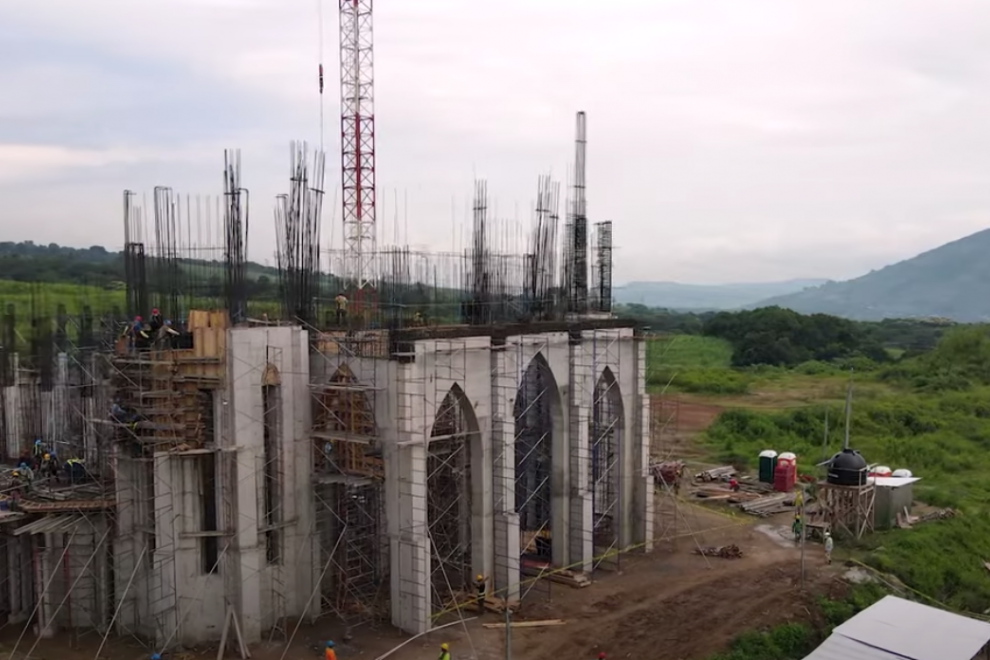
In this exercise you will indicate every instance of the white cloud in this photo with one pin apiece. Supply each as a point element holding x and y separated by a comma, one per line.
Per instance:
<point>728,140</point>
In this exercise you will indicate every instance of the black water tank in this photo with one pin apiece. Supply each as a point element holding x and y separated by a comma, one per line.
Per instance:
<point>847,468</point>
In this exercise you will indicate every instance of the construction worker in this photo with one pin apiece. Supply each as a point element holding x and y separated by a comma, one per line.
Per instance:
<point>829,545</point>
<point>733,485</point>
<point>37,451</point>
<point>341,302</point>
<point>480,587</point>
<point>49,466</point>
<point>796,527</point>
<point>328,652</point>
<point>156,322</point>
<point>444,652</point>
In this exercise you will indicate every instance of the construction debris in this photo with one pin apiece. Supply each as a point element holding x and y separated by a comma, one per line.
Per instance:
<point>716,474</point>
<point>768,504</point>
<point>545,623</point>
<point>731,551</point>
<point>563,576</point>
<point>905,520</point>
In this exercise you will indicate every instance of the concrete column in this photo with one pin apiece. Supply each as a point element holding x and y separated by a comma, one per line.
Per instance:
<point>580,521</point>
<point>506,570</point>
<point>15,565</point>
<point>248,550</point>
<point>413,557</point>
<point>44,627</point>
<point>405,495</point>
<point>639,445</point>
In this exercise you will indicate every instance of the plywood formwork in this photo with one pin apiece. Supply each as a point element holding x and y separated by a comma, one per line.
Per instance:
<point>168,390</point>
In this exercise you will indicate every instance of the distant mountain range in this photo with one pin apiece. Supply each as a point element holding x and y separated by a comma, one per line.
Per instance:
<point>704,297</point>
<point>951,281</point>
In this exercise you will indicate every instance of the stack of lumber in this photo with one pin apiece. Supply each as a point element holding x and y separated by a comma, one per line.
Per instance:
<point>716,474</point>
<point>725,552</point>
<point>563,576</point>
<point>768,504</point>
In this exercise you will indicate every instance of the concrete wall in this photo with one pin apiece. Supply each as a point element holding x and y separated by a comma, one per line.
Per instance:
<point>169,595</point>
<point>489,377</point>
<point>174,597</point>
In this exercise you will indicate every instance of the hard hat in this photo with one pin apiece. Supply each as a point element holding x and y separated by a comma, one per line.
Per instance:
<point>137,318</point>
<point>330,644</point>
<point>444,647</point>
<point>155,656</point>
<point>601,656</point>
<point>15,473</point>
<point>46,456</point>
<point>480,577</point>
<point>154,310</point>
<point>37,441</point>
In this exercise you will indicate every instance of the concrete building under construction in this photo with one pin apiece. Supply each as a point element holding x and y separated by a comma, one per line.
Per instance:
<point>360,447</point>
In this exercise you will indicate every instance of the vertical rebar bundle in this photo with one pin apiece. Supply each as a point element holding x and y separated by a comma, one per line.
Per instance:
<point>297,226</point>
<point>577,268</point>
<point>541,259</point>
<point>602,272</point>
<point>235,237</point>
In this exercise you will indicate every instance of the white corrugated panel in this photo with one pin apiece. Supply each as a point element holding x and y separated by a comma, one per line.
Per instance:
<point>837,647</point>
<point>914,631</point>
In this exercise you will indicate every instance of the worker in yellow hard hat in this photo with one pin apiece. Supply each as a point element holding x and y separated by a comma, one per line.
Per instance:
<point>444,652</point>
<point>480,588</point>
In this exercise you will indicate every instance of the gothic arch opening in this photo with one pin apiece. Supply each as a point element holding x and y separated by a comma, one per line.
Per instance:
<point>449,500</point>
<point>349,496</point>
<point>538,415</point>
<point>604,437</point>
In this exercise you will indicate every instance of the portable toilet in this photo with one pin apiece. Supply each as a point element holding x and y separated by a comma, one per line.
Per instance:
<point>768,463</point>
<point>785,475</point>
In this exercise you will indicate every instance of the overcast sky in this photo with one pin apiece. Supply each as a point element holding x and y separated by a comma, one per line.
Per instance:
<point>728,140</point>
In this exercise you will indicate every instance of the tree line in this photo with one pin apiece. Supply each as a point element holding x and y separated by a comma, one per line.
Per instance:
<point>782,337</point>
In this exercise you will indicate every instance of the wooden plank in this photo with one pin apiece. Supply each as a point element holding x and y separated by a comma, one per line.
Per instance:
<point>525,624</point>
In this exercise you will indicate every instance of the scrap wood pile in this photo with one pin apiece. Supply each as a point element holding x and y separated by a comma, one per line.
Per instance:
<point>906,520</point>
<point>716,474</point>
<point>731,551</point>
<point>768,505</point>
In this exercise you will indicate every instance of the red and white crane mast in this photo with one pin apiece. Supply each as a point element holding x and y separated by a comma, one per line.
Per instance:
<point>357,142</point>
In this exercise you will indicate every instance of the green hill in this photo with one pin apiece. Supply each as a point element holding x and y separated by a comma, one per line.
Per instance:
<point>674,295</point>
<point>951,281</point>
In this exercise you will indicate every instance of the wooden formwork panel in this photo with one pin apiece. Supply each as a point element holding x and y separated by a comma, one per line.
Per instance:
<point>366,343</point>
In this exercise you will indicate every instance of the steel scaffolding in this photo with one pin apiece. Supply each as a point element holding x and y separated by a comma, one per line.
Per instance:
<point>605,447</point>
<point>349,475</point>
<point>533,432</point>
<point>449,461</point>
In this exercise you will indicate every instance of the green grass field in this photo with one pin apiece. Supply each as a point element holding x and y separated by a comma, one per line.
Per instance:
<point>691,363</point>
<point>943,438</point>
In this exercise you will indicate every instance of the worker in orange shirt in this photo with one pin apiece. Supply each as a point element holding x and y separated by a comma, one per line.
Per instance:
<point>328,652</point>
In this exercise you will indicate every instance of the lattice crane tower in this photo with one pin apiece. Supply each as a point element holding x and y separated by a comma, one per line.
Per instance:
<point>357,141</point>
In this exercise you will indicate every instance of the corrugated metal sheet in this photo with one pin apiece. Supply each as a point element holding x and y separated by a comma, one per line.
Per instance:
<point>837,647</point>
<point>894,482</point>
<point>60,524</point>
<point>898,628</point>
